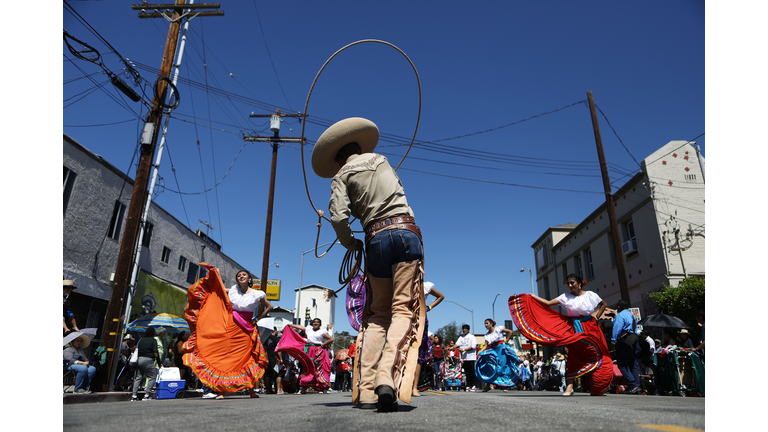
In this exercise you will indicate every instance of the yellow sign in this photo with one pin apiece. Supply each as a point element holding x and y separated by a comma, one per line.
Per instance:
<point>273,288</point>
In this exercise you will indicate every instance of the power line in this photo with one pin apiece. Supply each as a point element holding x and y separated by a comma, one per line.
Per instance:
<point>617,135</point>
<point>279,84</point>
<point>500,183</point>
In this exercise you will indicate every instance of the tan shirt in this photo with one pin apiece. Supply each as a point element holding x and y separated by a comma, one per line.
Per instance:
<point>367,188</point>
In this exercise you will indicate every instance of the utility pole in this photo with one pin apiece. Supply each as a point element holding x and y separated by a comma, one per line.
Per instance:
<point>609,203</point>
<point>274,125</point>
<point>139,196</point>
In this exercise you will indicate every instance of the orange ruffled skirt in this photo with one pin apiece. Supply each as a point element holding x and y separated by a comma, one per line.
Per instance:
<point>588,353</point>
<point>224,356</point>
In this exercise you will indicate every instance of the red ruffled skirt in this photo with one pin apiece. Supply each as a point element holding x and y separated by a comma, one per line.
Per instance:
<point>315,361</point>
<point>223,354</point>
<point>588,353</point>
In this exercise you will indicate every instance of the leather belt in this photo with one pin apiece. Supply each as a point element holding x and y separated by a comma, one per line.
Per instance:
<point>396,222</point>
<point>379,224</point>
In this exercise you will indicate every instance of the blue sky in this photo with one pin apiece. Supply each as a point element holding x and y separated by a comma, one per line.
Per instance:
<point>517,72</point>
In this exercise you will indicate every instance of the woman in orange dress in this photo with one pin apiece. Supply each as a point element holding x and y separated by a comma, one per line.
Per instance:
<point>224,349</point>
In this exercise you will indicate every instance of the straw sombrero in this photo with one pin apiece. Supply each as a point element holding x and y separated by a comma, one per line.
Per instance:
<point>354,129</point>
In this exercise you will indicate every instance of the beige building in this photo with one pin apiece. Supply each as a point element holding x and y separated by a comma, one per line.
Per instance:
<point>660,213</point>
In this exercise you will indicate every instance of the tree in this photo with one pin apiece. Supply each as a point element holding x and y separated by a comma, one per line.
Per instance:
<point>449,332</point>
<point>682,301</point>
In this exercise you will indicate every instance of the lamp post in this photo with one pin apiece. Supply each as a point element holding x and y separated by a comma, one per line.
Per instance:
<point>274,264</point>
<point>494,306</point>
<point>296,319</point>
<point>470,310</point>
<point>531,272</point>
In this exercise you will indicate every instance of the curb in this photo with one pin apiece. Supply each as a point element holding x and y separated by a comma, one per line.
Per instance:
<point>77,398</point>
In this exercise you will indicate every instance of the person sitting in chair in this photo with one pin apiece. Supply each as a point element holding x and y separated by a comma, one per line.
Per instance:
<point>78,363</point>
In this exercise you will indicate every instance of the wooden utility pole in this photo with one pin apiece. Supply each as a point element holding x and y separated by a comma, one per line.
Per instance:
<point>609,203</point>
<point>125,261</point>
<point>275,140</point>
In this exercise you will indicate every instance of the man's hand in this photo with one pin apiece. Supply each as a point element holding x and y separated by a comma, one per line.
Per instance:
<point>358,246</point>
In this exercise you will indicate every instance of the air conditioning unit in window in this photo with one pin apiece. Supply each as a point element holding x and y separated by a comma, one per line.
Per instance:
<point>629,247</point>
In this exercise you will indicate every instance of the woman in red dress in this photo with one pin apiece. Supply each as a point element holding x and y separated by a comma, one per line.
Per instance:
<point>588,354</point>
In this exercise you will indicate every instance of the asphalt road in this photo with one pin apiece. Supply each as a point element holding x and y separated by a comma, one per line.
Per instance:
<point>433,411</point>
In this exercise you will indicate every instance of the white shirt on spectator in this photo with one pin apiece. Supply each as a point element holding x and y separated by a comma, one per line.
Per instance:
<point>467,342</point>
<point>651,343</point>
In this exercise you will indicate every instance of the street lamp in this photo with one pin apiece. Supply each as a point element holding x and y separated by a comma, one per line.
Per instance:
<point>531,272</point>
<point>274,264</point>
<point>473,312</point>
<point>494,306</point>
<point>296,319</point>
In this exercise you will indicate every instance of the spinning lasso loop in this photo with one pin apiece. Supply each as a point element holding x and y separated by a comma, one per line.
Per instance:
<point>347,264</point>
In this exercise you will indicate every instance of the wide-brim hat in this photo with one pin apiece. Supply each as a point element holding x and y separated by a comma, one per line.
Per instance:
<point>341,133</point>
<point>560,356</point>
<point>69,283</point>
<point>683,331</point>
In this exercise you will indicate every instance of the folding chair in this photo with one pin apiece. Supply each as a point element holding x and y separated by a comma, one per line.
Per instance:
<point>69,378</point>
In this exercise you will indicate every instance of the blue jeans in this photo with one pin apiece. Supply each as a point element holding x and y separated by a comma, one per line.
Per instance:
<point>390,247</point>
<point>436,368</point>
<point>629,364</point>
<point>84,375</point>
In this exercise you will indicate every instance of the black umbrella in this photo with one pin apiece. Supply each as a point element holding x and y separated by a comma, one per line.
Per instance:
<point>661,320</point>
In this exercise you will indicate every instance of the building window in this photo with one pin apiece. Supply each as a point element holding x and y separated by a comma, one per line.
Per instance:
<point>182,263</point>
<point>69,182</point>
<point>565,272</point>
<point>629,246</point>
<point>590,268</point>
<point>192,275</point>
<point>546,286</point>
<point>577,265</point>
<point>166,255</point>
<point>147,236</point>
<point>117,220</point>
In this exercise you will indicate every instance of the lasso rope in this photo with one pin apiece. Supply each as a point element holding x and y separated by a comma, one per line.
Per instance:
<point>352,261</point>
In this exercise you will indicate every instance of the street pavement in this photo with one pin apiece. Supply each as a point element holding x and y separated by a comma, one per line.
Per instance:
<point>433,411</point>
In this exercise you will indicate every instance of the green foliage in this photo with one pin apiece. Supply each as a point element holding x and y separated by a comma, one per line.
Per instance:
<point>449,332</point>
<point>682,301</point>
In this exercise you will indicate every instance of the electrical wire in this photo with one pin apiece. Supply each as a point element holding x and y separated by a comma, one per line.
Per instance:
<point>176,178</point>
<point>617,135</point>
<point>503,183</point>
<point>103,124</point>
<point>271,61</point>
<point>210,131</point>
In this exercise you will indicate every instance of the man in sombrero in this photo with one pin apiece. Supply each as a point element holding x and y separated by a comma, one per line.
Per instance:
<point>366,187</point>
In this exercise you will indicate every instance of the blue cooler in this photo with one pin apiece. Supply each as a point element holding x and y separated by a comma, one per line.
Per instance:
<point>169,384</point>
<point>169,389</point>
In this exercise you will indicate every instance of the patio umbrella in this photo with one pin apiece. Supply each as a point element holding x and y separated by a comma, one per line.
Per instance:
<point>158,320</point>
<point>90,332</point>
<point>661,320</point>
